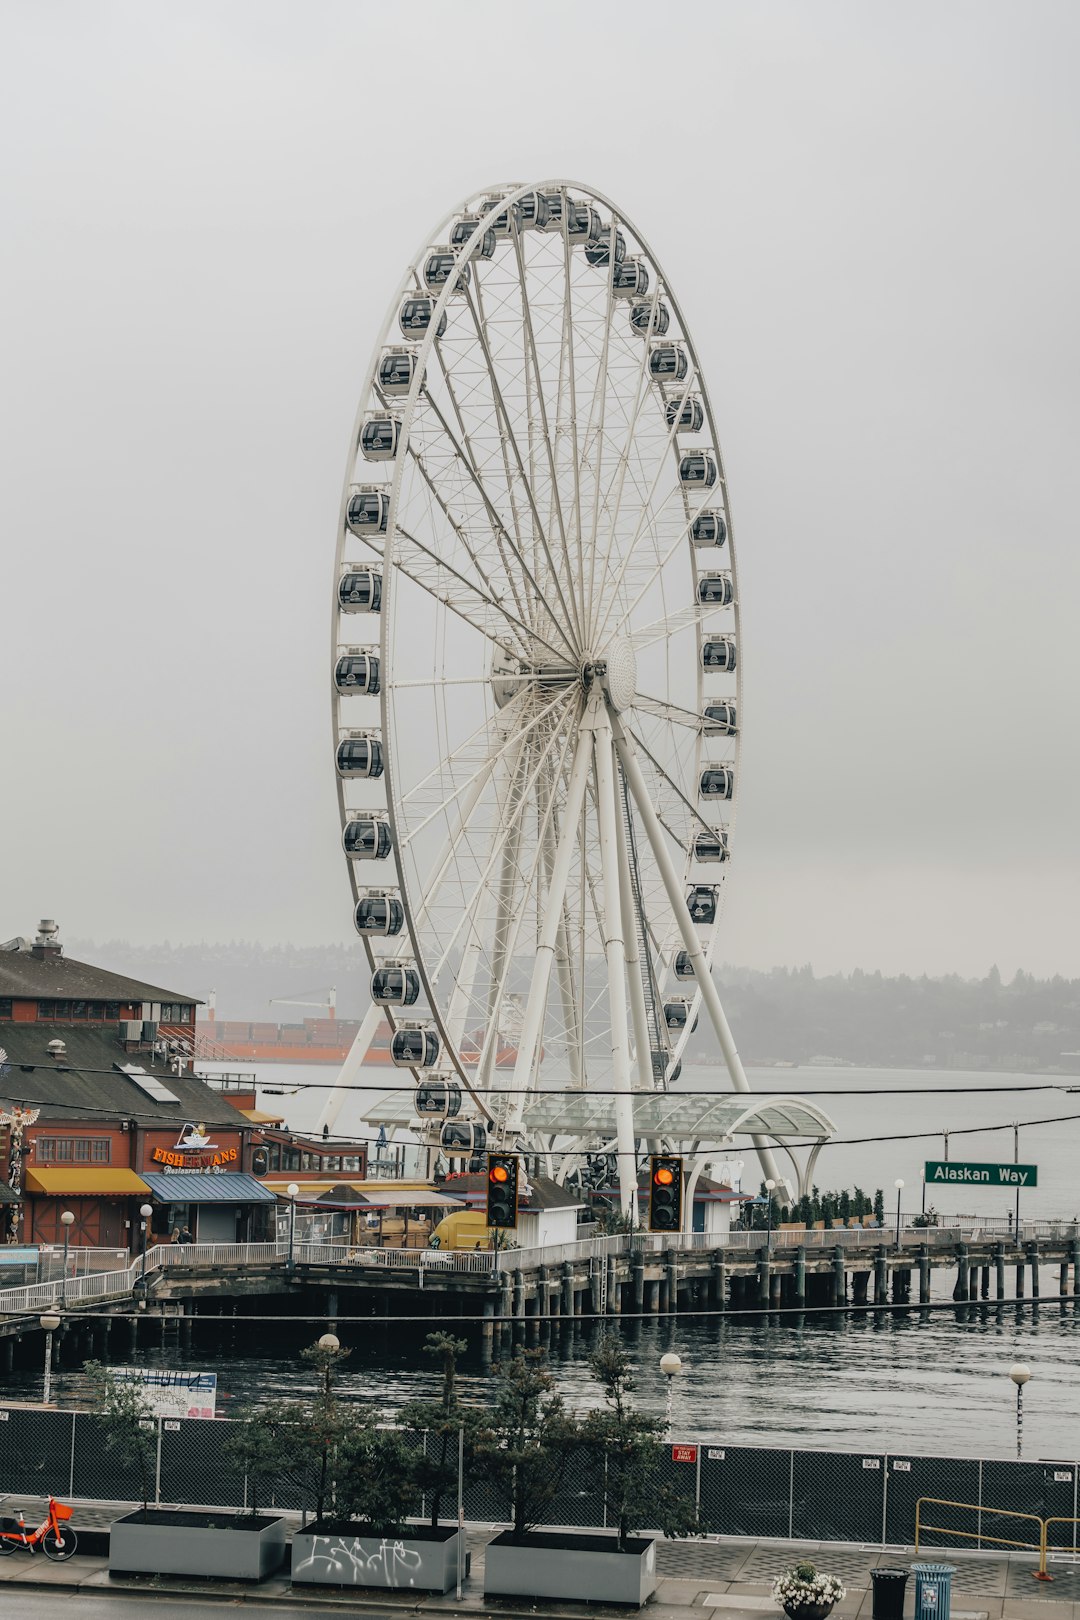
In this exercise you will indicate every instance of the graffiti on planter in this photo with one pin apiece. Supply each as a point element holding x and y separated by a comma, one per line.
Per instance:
<point>356,1562</point>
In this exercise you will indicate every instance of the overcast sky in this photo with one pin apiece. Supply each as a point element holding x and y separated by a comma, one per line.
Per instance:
<point>868,212</point>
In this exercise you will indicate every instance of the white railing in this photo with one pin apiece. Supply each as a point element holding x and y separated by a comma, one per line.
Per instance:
<point>337,1254</point>
<point>553,1254</point>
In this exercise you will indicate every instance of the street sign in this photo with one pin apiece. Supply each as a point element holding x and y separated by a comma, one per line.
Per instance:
<point>955,1172</point>
<point>173,1394</point>
<point>686,1454</point>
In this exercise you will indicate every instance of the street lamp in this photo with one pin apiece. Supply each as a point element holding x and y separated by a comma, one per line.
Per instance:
<point>67,1221</point>
<point>670,1366</point>
<point>1019,1375</point>
<point>770,1188</point>
<point>146,1211</point>
<point>50,1323</point>
<point>899,1185</point>
<point>293,1191</point>
<point>329,1342</point>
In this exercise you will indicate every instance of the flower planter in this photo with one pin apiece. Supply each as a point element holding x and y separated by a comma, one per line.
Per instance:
<point>166,1541</point>
<point>807,1611</point>
<point>337,1553</point>
<point>576,1568</point>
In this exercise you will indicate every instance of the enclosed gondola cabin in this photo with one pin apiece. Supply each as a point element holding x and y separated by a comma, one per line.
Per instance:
<point>464,230</point>
<point>698,469</point>
<point>414,1047</point>
<point>718,655</point>
<point>630,279</point>
<point>368,511</point>
<point>677,1012</point>
<point>397,368</point>
<point>416,315</point>
<point>532,211</point>
<point>499,216</point>
<point>717,782</point>
<point>684,967</point>
<point>356,672</point>
<point>379,438</point>
<point>440,266</point>
<point>708,529</point>
<point>669,362</point>
<point>711,846</point>
<point>360,590</point>
<point>598,251</point>
<point>649,320</point>
<point>459,1137</point>
<point>687,415</point>
<point>719,720</point>
<point>367,837</point>
<point>701,903</point>
<point>395,984</point>
<point>716,590</point>
<point>553,202</point>
<point>438,1098</point>
<point>360,754</point>
<point>583,223</point>
<point>378,912</point>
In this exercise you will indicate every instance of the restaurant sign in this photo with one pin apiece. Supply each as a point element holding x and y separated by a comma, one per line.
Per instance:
<point>195,1151</point>
<point>955,1172</point>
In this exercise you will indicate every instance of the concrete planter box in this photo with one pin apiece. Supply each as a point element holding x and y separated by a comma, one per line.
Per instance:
<point>576,1568</point>
<point>337,1553</point>
<point>168,1542</point>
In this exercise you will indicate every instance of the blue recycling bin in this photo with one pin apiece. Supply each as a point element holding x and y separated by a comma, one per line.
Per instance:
<point>933,1590</point>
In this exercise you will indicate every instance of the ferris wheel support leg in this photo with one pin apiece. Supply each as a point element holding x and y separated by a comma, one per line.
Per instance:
<point>565,971</point>
<point>358,1051</point>
<point>677,900</point>
<point>643,1054</point>
<point>532,1024</point>
<point>615,951</point>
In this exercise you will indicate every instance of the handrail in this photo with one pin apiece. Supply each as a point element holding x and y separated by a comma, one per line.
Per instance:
<point>980,1535</point>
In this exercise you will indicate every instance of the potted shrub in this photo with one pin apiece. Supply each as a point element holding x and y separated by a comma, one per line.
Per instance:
<point>380,1475</point>
<point>804,1594</point>
<point>168,1541</point>
<point>527,1453</point>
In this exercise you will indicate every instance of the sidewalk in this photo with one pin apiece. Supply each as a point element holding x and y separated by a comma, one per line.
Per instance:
<point>729,1579</point>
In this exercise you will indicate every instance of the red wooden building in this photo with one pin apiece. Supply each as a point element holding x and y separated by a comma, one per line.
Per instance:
<point>100,1111</point>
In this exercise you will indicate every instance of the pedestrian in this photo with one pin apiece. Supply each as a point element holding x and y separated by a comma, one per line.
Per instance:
<point>185,1235</point>
<point>174,1235</point>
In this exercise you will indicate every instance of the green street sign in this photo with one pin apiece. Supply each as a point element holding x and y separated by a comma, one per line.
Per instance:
<point>953,1173</point>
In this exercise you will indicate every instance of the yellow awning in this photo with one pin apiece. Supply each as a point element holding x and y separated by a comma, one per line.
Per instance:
<point>258,1117</point>
<point>72,1182</point>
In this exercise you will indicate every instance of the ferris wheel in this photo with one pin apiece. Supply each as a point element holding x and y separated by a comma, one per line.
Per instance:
<point>536,668</point>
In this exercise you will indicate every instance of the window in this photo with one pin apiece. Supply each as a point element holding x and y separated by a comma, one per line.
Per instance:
<point>74,1150</point>
<point>5,1006</point>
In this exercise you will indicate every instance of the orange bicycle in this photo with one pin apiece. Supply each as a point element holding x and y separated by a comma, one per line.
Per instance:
<point>54,1534</point>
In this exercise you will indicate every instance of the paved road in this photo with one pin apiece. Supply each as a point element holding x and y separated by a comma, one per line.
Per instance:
<point>16,1603</point>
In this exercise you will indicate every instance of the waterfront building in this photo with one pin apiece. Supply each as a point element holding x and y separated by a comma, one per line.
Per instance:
<point>102,1111</point>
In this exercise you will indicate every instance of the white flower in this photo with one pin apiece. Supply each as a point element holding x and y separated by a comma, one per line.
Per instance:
<point>813,1588</point>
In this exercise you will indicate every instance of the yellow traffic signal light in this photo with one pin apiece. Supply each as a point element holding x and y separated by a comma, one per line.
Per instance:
<point>502,1191</point>
<point>665,1193</point>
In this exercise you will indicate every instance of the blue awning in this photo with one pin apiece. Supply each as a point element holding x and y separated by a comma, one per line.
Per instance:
<point>192,1187</point>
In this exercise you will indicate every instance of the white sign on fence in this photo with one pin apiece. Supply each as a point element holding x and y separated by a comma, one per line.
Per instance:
<point>174,1394</point>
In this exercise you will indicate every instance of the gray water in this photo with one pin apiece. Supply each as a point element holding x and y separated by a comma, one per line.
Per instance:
<point>932,1382</point>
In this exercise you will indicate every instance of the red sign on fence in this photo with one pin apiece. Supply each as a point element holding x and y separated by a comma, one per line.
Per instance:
<point>684,1454</point>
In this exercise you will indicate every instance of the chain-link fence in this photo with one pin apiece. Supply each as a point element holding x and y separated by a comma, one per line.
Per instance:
<point>753,1491</point>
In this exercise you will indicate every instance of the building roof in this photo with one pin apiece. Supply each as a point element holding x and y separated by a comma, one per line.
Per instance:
<point>535,1193</point>
<point>35,975</point>
<point>195,1187</point>
<point>91,1085</point>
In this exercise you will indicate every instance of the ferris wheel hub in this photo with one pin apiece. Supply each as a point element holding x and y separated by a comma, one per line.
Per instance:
<point>617,672</point>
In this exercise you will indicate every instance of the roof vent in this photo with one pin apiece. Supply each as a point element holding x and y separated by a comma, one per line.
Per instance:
<point>46,944</point>
<point>56,1049</point>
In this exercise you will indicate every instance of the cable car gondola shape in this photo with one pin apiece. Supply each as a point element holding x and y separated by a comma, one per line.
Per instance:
<point>701,902</point>
<point>414,1046</point>
<point>462,1136</point>
<point>551,732</point>
<point>438,1097</point>
<point>360,591</point>
<point>378,912</point>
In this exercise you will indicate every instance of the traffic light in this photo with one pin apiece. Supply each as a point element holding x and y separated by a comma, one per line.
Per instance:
<point>502,1191</point>
<point>665,1193</point>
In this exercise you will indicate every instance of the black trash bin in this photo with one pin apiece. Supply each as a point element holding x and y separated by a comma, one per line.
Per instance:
<point>889,1588</point>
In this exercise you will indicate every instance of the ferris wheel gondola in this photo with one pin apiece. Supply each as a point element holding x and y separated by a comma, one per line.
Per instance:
<point>525,522</point>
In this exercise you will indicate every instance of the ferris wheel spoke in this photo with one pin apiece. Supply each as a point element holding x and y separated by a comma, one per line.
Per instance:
<point>662,709</point>
<point>672,787</point>
<point>530,337</point>
<point>515,450</point>
<point>503,536</point>
<point>674,624</point>
<point>662,562</point>
<point>597,412</point>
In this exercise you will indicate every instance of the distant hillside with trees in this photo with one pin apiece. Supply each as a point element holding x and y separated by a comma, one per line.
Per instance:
<point>785,1015</point>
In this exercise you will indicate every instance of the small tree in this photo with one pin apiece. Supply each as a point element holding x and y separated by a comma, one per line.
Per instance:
<point>528,1441</point>
<point>631,1445</point>
<point>879,1207</point>
<point>440,1422</point>
<point>128,1421</point>
<point>262,1445</point>
<point>378,1482</point>
<point>297,1441</point>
